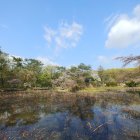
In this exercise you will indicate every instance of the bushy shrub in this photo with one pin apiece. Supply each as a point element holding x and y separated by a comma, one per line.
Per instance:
<point>75,88</point>
<point>131,84</point>
<point>111,84</point>
<point>138,84</point>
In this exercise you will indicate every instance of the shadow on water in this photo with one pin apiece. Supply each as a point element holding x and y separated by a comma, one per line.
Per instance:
<point>67,117</point>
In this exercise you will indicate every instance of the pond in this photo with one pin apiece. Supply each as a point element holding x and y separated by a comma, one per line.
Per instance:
<point>68,117</point>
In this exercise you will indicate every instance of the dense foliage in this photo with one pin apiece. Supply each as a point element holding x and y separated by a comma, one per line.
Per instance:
<point>18,73</point>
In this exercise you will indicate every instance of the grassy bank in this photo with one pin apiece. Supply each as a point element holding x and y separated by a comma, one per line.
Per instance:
<point>113,89</point>
<point>115,94</point>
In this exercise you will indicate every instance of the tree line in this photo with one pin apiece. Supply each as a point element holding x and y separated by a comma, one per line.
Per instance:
<point>19,73</point>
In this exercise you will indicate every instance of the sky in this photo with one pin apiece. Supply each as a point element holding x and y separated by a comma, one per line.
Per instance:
<point>70,32</point>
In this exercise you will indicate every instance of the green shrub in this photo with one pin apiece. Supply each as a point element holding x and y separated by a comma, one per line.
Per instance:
<point>111,84</point>
<point>138,84</point>
<point>131,84</point>
<point>75,88</point>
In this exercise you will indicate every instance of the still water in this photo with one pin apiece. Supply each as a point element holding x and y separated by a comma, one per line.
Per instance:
<point>67,117</point>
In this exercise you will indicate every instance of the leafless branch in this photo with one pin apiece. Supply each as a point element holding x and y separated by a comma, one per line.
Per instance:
<point>128,59</point>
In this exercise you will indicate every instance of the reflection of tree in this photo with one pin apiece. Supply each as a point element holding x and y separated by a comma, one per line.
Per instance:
<point>27,110</point>
<point>82,108</point>
<point>19,111</point>
<point>71,118</point>
<point>104,104</point>
<point>24,118</point>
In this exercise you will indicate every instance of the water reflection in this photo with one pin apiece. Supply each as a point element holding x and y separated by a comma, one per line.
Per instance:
<point>66,117</point>
<point>82,108</point>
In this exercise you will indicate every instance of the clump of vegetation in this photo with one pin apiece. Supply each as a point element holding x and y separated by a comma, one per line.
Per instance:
<point>132,113</point>
<point>131,84</point>
<point>111,84</point>
<point>75,88</point>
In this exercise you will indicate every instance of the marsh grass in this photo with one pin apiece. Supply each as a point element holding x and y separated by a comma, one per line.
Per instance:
<point>77,117</point>
<point>132,112</point>
<point>113,89</point>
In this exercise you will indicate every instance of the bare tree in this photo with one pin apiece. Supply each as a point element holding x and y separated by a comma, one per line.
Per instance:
<point>128,59</point>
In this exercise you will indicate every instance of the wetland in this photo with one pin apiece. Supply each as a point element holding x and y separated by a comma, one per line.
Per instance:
<point>45,115</point>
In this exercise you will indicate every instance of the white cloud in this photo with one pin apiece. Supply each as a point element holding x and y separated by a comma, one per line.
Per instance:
<point>67,35</point>
<point>49,34</point>
<point>109,61</point>
<point>46,60</point>
<point>136,11</point>
<point>103,59</point>
<point>125,30</point>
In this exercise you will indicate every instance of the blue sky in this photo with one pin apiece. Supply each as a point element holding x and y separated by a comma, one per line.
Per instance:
<point>68,32</point>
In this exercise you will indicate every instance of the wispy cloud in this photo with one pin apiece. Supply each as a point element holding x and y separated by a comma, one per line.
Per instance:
<point>4,26</point>
<point>124,31</point>
<point>65,36</point>
<point>46,60</point>
<point>109,61</point>
<point>111,20</point>
<point>49,34</point>
<point>103,59</point>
